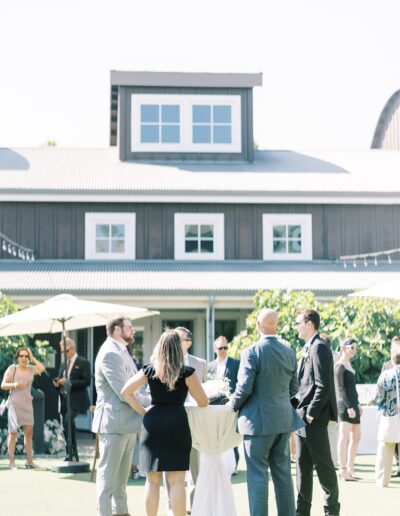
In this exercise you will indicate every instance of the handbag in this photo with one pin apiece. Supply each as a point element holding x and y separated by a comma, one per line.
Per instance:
<point>389,426</point>
<point>6,401</point>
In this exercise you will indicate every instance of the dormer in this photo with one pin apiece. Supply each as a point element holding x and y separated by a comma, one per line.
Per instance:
<point>175,116</point>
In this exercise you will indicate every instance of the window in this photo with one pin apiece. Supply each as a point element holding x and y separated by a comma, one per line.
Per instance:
<point>199,236</point>
<point>110,236</point>
<point>212,124</point>
<point>287,237</point>
<point>186,123</point>
<point>159,123</point>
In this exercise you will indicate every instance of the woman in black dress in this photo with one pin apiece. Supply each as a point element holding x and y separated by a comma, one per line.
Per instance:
<point>165,440</point>
<point>349,410</point>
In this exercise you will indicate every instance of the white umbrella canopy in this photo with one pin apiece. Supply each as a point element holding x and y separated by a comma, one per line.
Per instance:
<point>66,312</point>
<point>388,290</point>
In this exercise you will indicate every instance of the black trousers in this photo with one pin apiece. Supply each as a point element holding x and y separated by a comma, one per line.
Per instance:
<point>396,454</point>
<point>74,413</point>
<point>314,451</point>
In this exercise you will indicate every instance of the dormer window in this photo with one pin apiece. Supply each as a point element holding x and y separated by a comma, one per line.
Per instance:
<point>186,123</point>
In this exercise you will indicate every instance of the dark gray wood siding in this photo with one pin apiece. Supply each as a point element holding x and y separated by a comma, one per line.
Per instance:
<point>124,130</point>
<point>57,230</point>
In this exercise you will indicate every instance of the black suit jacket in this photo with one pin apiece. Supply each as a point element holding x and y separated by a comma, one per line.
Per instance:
<point>231,371</point>
<point>316,394</point>
<point>79,378</point>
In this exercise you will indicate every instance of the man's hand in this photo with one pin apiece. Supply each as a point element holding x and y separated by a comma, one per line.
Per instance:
<point>309,419</point>
<point>351,412</point>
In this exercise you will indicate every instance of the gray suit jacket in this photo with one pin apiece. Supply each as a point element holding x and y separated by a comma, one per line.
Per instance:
<point>200,366</point>
<point>267,380</point>
<point>113,368</point>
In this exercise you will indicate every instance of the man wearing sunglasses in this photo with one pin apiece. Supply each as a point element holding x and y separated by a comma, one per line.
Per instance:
<point>225,367</point>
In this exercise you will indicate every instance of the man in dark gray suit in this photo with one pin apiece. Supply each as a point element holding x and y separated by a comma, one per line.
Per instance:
<point>266,382</point>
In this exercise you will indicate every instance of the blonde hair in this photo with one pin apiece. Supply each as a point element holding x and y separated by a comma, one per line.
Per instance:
<point>167,358</point>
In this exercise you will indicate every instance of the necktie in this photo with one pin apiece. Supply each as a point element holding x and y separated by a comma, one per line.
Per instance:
<point>68,366</point>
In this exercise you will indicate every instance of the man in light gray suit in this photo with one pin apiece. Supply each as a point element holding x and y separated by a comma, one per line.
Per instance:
<point>267,380</point>
<point>201,370</point>
<point>114,421</point>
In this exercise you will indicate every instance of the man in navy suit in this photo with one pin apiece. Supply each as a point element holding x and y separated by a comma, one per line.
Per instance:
<point>267,380</point>
<point>316,405</point>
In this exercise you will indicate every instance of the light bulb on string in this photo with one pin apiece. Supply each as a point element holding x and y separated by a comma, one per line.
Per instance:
<point>354,264</point>
<point>389,259</point>
<point>365,262</point>
<point>345,265</point>
<point>376,261</point>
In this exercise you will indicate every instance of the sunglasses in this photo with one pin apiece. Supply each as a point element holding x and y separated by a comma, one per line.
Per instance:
<point>23,356</point>
<point>353,348</point>
<point>223,347</point>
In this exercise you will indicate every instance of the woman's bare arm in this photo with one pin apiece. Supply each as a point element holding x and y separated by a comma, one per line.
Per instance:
<point>128,391</point>
<point>196,390</point>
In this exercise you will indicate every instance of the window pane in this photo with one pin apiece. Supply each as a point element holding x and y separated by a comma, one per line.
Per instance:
<point>102,230</point>
<point>279,246</point>
<point>117,246</point>
<point>222,114</point>
<point>170,114</point>
<point>294,246</point>
<point>207,231</point>
<point>201,114</point>
<point>279,231</point>
<point>201,134</point>
<point>222,134</point>
<point>294,231</point>
<point>191,246</point>
<point>118,230</point>
<point>206,246</point>
<point>149,113</point>
<point>191,231</point>
<point>170,134</point>
<point>149,134</point>
<point>102,246</point>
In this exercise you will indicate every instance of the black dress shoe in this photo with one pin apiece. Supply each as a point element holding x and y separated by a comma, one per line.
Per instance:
<point>396,474</point>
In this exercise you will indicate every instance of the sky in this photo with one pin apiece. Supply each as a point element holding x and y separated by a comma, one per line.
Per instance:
<point>329,66</point>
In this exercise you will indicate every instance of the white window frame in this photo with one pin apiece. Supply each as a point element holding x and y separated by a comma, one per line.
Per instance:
<point>93,218</point>
<point>301,219</point>
<point>186,124</point>
<point>216,219</point>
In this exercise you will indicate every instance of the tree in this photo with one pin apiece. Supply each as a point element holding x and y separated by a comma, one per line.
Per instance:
<point>372,322</point>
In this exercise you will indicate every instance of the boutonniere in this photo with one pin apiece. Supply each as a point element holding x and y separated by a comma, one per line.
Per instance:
<point>305,354</point>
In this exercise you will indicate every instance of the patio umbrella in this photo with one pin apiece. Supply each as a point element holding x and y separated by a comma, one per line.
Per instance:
<point>58,315</point>
<point>388,290</point>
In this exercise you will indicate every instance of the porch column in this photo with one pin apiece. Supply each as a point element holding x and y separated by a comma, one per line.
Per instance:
<point>210,329</point>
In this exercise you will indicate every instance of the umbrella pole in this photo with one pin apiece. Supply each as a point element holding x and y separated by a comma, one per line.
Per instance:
<point>68,414</point>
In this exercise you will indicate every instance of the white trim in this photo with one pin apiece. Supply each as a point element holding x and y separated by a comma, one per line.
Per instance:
<point>202,197</point>
<point>127,219</point>
<point>215,219</point>
<point>269,220</point>
<point>186,102</point>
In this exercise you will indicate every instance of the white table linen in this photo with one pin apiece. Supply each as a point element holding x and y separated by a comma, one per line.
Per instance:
<point>213,430</point>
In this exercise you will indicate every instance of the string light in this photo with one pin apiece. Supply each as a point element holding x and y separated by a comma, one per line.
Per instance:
<point>364,256</point>
<point>15,249</point>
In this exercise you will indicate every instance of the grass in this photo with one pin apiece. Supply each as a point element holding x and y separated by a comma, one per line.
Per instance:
<point>43,493</point>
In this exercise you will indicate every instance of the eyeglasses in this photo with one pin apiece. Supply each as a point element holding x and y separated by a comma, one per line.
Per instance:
<point>297,323</point>
<point>23,356</point>
<point>223,347</point>
<point>353,348</point>
<point>126,326</point>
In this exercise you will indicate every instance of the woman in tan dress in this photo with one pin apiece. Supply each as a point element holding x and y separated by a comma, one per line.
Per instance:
<point>18,380</point>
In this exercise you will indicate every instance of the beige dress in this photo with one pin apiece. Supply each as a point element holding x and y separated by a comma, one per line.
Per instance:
<point>21,399</point>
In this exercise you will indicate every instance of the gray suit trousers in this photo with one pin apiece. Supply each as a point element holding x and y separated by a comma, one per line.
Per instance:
<point>116,452</point>
<point>263,452</point>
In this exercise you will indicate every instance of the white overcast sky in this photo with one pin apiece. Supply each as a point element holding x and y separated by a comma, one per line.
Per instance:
<point>328,66</point>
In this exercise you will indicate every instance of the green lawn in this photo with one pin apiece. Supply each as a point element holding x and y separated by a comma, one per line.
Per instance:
<point>44,493</point>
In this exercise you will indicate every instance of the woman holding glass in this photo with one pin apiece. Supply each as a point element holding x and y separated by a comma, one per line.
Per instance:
<point>349,409</point>
<point>18,380</point>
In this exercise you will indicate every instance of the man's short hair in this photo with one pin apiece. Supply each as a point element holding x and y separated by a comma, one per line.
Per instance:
<point>68,341</point>
<point>313,316</point>
<point>114,322</point>
<point>189,334</point>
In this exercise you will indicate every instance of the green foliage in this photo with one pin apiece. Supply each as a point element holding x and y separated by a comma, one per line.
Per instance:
<point>9,345</point>
<point>372,322</point>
